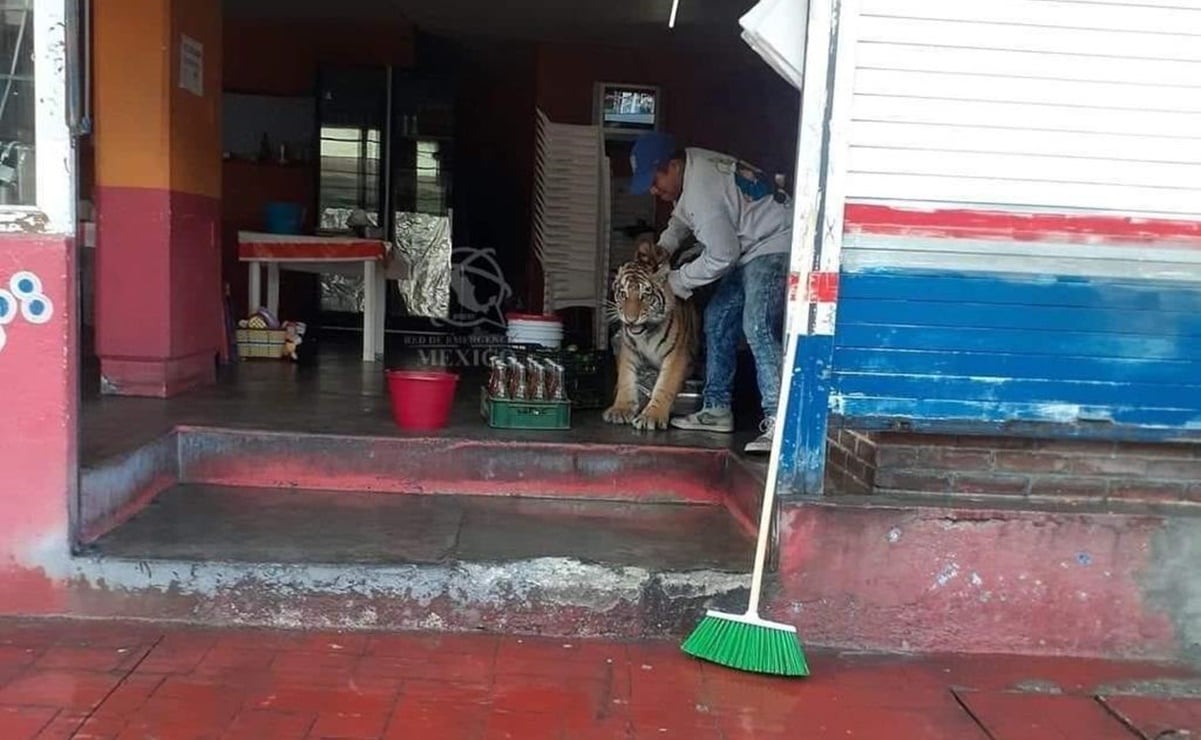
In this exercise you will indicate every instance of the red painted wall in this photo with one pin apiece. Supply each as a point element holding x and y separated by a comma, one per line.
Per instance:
<point>247,188</point>
<point>730,101</point>
<point>282,58</point>
<point>1003,580</point>
<point>38,367</point>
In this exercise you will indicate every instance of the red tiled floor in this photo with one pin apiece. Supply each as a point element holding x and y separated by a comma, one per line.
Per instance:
<point>460,668</point>
<point>503,724</point>
<point>180,705</point>
<point>109,680</point>
<point>64,726</point>
<point>178,652</point>
<point>314,669</point>
<point>224,659</point>
<point>349,725</point>
<point>1017,716</point>
<point>129,696</point>
<point>18,657</point>
<point>540,656</point>
<point>24,723</point>
<point>100,727</point>
<point>76,690</point>
<point>346,701</point>
<point>1154,716</point>
<point>89,658</point>
<point>258,725</point>
<point>422,717</point>
<point>344,643</point>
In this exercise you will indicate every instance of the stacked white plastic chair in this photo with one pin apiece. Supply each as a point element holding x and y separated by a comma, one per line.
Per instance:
<point>571,216</point>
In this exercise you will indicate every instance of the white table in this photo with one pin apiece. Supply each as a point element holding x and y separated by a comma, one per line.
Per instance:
<point>323,255</point>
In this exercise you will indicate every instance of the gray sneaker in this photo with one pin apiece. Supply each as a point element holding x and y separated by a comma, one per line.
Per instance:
<point>761,445</point>
<point>706,420</point>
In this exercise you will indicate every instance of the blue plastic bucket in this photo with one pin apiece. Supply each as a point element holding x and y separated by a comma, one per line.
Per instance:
<point>284,218</point>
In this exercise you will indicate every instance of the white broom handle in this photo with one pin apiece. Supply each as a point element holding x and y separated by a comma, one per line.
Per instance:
<point>773,466</point>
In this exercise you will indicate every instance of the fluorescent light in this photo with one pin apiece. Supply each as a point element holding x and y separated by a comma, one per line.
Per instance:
<point>675,5</point>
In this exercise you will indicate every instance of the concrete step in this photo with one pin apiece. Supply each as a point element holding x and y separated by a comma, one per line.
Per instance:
<point>113,490</point>
<point>610,540</point>
<point>240,524</point>
<point>1014,468</point>
<point>225,554</point>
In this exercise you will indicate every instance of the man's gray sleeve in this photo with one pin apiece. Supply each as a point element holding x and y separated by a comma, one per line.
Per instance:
<point>722,250</point>
<point>675,233</point>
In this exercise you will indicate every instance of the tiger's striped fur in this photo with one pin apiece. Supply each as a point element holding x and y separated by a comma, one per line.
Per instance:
<point>659,332</point>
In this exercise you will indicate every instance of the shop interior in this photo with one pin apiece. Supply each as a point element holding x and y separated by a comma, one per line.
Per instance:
<point>486,147</point>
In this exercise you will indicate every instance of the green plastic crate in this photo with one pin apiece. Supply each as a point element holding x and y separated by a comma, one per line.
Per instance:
<point>507,413</point>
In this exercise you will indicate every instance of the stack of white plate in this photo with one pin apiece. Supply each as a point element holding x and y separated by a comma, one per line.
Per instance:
<point>546,331</point>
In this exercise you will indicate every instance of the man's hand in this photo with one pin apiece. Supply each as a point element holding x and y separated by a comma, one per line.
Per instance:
<point>692,252</point>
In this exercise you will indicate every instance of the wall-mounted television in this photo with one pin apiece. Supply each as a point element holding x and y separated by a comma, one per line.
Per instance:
<point>627,110</point>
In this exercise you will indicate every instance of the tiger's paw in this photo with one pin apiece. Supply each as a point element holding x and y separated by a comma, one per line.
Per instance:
<point>652,418</point>
<point>620,414</point>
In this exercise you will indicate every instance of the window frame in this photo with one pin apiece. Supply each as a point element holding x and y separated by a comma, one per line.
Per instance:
<point>53,211</point>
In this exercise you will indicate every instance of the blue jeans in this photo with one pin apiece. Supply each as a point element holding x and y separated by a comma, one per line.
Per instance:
<point>749,301</point>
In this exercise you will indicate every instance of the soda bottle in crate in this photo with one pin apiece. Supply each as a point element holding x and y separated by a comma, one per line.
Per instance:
<point>498,379</point>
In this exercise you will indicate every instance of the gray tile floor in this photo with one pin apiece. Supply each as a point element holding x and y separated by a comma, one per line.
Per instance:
<point>337,395</point>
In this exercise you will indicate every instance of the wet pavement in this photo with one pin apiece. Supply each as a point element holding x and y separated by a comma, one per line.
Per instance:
<point>219,523</point>
<point>64,679</point>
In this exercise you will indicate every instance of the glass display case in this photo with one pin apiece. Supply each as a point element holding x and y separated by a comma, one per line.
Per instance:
<point>352,122</point>
<point>420,180</point>
<point>386,137</point>
<point>352,117</point>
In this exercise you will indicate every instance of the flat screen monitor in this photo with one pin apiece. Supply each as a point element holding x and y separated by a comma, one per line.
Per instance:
<point>631,109</point>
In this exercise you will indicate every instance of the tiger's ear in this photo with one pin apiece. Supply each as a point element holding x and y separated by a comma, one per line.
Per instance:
<point>648,253</point>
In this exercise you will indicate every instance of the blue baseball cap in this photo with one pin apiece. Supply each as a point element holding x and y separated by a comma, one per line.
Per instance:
<point>650,152</point>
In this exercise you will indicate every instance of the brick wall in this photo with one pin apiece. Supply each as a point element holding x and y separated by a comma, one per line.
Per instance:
<point>850,462</point>
<point>914,463</point>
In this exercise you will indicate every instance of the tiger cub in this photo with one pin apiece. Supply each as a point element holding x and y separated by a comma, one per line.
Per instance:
<point>659,332</point>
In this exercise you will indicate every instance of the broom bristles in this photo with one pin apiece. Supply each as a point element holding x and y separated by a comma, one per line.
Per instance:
<point>747,644</point>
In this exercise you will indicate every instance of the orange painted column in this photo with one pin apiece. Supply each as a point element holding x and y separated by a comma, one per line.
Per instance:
<point>159,310</point>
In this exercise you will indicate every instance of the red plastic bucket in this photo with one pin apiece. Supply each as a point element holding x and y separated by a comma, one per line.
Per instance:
<point>421,399</point>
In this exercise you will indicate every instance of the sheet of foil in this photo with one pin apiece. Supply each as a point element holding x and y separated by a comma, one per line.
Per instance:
<point>342,293</point>
<point>339,292</point>
<point>423,241</point>
<point>334,219</point>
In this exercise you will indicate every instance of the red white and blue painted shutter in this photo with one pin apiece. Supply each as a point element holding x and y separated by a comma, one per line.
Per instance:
<point>1022,239</point>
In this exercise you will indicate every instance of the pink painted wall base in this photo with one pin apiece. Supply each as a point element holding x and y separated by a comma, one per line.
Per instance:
<point>38,375</point>
<point>159,310</point>
<point>932,576</point>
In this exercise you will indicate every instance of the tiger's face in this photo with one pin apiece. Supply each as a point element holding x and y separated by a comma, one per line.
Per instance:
<point>641,296</point>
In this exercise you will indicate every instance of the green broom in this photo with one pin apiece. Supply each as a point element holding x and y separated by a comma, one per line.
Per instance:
<point>748,642</point>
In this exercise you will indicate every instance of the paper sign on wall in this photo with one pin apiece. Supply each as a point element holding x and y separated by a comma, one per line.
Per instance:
<point>191,65</point>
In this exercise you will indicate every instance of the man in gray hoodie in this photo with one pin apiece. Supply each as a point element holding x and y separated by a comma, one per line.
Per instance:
<point>744,224</point>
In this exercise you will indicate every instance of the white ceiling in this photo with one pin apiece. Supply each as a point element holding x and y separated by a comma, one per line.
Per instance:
<point>620,22</point>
